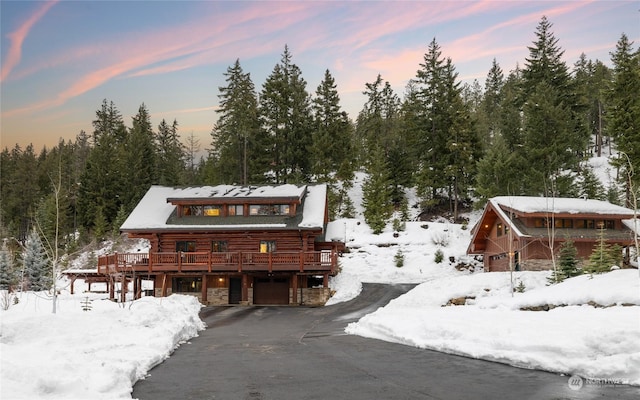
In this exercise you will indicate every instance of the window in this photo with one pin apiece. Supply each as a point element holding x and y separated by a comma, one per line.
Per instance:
<point>212,211</point>
<point>541,223</point>
<point>267,246</point>
<point>187,285</point>
<point>269,209</point>
<point>219,246</point>
<point>563,223</point>
<point>195,210</point>
<point>186,246</point>
<point>236,209</point>
<point>499,229</point>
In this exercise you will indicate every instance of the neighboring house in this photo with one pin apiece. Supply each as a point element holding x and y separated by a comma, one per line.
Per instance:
<point>231,244</point>
<point>515,231</point>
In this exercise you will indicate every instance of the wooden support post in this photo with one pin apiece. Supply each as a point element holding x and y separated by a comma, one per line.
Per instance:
<point>302,261</point>
<point>73,280</point>
<point>294,285</point>
<point>245,288</point>
<point>239,261</point>
<point>204,288</point>
<point>123,289</point>
<point>163,293</point>
<point>112,284</point>
<point>325,280</point>
<point>270,263</point>
<point>137,284</point>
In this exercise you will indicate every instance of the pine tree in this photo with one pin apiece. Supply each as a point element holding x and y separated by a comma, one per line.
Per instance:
<point>604,255</point>
<point>554,137</point>
<point>285,114</point>
<point>36,263</point>
<point>236,154</point>
<point>568,263</point>
<point>376,193</point>
<point>492,102</point>
<point>102,182</point>
<point>332,130</point>
<point>170,156</point>
<point>624,111</point>
<point>8,278</point>
<point>139,159</point>
<point>435,121</point>
<point>590,185</point>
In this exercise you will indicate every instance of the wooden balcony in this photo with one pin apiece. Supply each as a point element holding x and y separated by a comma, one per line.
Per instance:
<point>152,263</point>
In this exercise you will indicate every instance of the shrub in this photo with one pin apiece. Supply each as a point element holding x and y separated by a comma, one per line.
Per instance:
<point>398,259</point>
<point>439,256</point>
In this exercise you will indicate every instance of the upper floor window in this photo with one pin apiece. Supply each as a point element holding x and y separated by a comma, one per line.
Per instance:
<point>236,209</point>
<point>212,211</point>
<point>269,209</point>
<point>219,246</point>
<point>267,246</point>
<point>188,246</point>
<point>499,229</point>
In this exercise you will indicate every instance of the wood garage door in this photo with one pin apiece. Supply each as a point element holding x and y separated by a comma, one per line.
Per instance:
<point>271,291</point>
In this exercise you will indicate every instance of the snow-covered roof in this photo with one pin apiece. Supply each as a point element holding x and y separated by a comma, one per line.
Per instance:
<point>559,205</point>
<point>153,210</point>
<point>234,192</point>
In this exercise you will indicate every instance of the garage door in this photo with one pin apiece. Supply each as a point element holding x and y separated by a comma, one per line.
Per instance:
<point>271,291</point>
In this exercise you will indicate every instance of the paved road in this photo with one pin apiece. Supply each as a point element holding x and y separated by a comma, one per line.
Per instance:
<point>281,353</point>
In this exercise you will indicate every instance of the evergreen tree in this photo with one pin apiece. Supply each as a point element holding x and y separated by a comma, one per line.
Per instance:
<point>604,255</point>
<point>102,182</point>
<point>591,80</point>
<point>376,193</point>
<point>546,131</point>
<point>554,138</point>
<point>497,172</point>
<point>492,103</point>
<point>332,130</point>
<point>8,278</point>
<point>170,156</point>
<point>624,112</point>
<point>435,121</point>
<point>463,147</point>
<point>36,263</point>
<point>379,126</point>
<point>590,185</point>
<point>568,263</point>
<point>138,157</point>
<point>236,154</point>
<point>285,114</point>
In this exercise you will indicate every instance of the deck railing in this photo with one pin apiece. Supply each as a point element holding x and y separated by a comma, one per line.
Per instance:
<point>310,261</point>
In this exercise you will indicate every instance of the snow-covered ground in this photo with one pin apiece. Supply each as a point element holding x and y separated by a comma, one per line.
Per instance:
<point>591,330</point>
<point>96,354</point>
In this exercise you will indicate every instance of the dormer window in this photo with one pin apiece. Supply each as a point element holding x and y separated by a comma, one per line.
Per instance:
<point>269,209</point>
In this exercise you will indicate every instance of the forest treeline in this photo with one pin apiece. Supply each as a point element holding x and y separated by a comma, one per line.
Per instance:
<point>524,132</point>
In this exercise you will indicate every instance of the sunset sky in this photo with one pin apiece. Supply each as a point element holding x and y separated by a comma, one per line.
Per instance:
<point>60,59</point>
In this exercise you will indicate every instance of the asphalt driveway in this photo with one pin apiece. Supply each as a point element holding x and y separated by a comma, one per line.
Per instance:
<point>303,353</point>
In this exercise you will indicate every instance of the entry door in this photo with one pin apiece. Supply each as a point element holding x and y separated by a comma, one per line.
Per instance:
<point>235,290</point>
<point>271,291</point>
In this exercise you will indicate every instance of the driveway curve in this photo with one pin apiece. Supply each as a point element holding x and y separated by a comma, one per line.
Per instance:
<point>279,353</point>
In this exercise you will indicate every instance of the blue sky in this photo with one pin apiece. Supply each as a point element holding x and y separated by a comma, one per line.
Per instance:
<point>60,59</point>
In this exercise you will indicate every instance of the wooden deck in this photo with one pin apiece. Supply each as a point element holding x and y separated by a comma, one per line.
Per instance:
<point>152,263</point>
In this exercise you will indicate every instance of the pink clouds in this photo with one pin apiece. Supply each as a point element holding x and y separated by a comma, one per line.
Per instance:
<point>17,38</point>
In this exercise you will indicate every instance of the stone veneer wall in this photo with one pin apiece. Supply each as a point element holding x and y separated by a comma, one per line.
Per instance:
<point>217,296</point>
<point>311,296</point>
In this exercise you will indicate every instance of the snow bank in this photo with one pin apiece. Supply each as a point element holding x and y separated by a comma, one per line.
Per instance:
<point>573,338</point>
<point>96,354</point>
